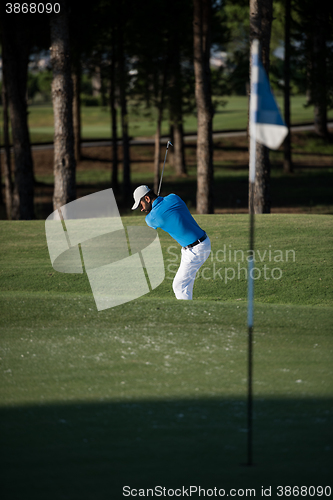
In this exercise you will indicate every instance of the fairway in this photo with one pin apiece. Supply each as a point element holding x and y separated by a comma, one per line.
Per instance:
<point>153,392</point>
<point>96,120</point>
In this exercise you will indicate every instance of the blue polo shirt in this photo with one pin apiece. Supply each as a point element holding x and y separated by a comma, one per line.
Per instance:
<point>172,215</point>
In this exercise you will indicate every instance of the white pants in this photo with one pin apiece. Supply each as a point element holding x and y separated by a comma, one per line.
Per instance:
<point>191,261</point>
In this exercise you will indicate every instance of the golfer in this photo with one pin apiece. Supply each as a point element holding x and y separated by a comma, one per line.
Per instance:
<point>172,215</point>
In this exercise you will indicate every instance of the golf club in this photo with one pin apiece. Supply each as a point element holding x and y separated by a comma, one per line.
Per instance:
<point>159,189</point>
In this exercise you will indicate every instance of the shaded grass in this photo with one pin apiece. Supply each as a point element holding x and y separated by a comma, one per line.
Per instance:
<point>307,190</point>
<point>91,451</point>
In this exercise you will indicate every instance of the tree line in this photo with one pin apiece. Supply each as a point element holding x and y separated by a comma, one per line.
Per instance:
<point>168,45</point>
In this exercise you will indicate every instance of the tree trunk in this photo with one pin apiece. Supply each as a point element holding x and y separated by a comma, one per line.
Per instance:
<point>176,104</point>
<point>127,192</point>
<point>308,55</point>
<point>176,115</point>
<point>287,162</point>
<point>319,91</point>
<point>7,170</point>
<point>76,76</point>
<point>157,152</point>
<point>96,80</point>
<point>114,176</point>
<point>126,147</point>
<point>260,27</point>
<point>160,107</point>
<point>178,149</point>
<point>2,174</point>
<point>62,96</point>
<point>202,44</point>
<point>15,65</point>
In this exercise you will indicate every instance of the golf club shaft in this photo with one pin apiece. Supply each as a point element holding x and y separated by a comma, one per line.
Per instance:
<point>159,188</point>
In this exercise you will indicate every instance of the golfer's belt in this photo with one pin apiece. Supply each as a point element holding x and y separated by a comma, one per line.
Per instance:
<point>200,240</point>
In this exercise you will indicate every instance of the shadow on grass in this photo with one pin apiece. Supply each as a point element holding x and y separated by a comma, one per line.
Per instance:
<point>305,188</point>
<point>90,451</point>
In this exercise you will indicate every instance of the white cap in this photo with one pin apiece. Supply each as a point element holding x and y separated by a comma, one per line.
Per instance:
<point>138,194</point>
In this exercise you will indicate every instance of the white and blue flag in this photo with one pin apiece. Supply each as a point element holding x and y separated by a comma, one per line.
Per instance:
<point>266,127</point>
<point>266,124</point>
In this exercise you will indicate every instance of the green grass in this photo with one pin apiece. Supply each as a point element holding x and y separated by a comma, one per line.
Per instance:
<point>153,392</point>
<point>287,242</point>
<point>96,121</point>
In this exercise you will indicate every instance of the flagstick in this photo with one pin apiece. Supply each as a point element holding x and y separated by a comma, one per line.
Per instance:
<point>268,128</point>
<point>253,111</point>
<point>250,326</point>
<point>250,329</point>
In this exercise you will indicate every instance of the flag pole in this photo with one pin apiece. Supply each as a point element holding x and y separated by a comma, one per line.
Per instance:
<point>268,128</point>
<point>250,330</point>
<point>252,167</point>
